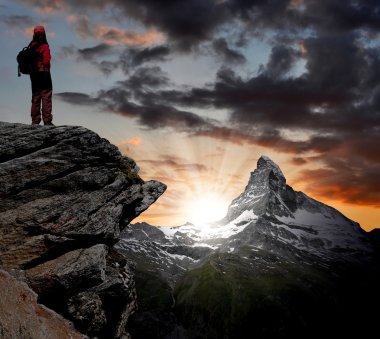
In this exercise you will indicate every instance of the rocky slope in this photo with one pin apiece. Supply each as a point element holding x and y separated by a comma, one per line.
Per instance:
<point>66,195</point>
<point>280,264</point>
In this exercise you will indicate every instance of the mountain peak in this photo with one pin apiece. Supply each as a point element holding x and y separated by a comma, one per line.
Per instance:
<point>267,174</point>
<point>265,162</point>
<point>267,179</point>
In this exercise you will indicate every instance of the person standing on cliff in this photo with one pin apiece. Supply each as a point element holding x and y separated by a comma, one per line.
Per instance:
<point>42,88</point>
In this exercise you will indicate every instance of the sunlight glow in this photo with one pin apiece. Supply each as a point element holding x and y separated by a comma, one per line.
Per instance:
<point>206,208</point>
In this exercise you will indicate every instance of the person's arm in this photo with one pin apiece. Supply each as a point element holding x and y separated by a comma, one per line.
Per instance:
<point>46,57</point>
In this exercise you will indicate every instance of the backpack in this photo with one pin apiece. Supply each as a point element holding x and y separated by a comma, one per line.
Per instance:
<point>27,60</point>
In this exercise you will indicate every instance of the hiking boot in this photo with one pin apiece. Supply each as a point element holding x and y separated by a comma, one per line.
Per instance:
<point>49,124</point>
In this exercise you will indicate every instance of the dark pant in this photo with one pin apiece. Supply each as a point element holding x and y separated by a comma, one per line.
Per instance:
<point>43,96</point>
<point>42,90</point>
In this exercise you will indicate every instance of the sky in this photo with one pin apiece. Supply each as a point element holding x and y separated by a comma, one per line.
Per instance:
<point>196,91</point>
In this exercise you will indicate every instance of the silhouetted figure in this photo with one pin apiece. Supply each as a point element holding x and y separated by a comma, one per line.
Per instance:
<point>42,88</point>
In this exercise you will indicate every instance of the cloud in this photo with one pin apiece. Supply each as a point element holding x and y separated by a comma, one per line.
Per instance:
<point>151,116</point>
<point>108,58</point>
<point>186,23</point>
<point>281,61</point>
<point>19,22</point>
<point>176,165</point>
<point>77,98</point>
<point>350,180</point>
<point>143,77</point>
<point>227,54</point>
<point>102,56</point>
<point>331,102</point>
<point>298,161</point>
<point>135,141</point>
<point>135,56</point>
<point>190,23</point>
<point>112,35</point>
<point>115,36</point>
<point>24,24</point>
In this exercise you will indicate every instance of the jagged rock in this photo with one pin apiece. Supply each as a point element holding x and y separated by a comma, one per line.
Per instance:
<point>22,317</point>
<point>66,195</point>
<point>63,184</point>
<point>71,272</point>
<point>86,309</point>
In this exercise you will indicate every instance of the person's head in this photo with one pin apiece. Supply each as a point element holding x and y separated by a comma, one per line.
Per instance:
<point>39,34</point>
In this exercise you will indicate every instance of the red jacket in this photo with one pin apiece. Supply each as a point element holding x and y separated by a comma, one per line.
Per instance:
<point>44,62</point>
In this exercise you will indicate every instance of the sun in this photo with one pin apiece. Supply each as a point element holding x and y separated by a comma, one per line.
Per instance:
<point>206,208</point>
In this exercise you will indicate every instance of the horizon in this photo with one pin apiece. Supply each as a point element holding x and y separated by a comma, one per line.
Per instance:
<point>195,92</point>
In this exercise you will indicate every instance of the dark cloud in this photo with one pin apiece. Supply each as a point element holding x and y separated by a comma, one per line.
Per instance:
<point>19,22</point>
<point>152,115</point>
<point>270,139</point>
<point>134,56</point>
<point>77,98</point>
<point>334,15</point>
<point>187,23</point>
<point>108,58</point>
<point>227,54</point>
<point>349,179</point>
<point>281,61</point>
<point>94,55</point>
<point>321,82</point>
<point>95,51</point>
<point>147,77</point>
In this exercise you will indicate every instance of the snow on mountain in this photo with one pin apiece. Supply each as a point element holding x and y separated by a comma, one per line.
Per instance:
<point>207,232</point>
<point>269,215</point>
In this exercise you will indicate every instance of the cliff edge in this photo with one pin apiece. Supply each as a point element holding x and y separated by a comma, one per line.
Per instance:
<point>66,194</point>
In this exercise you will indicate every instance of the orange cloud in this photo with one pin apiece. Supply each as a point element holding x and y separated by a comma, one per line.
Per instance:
<point>115,36</point>
<point>112,35</point>
<point>135,141</point>
<point>336,185</point>
<point>302,48</point>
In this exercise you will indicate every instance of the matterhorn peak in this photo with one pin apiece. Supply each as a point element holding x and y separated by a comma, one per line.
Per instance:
<point>267,174</point>
<point>265,181</point>
<point>265,162</point>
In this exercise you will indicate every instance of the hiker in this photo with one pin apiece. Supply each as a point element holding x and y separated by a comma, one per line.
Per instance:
<point>42,88</point>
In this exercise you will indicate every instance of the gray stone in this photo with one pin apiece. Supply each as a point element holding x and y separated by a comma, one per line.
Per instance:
<point>86,310</point>
<point>65,182</point>
<point>75,270</point>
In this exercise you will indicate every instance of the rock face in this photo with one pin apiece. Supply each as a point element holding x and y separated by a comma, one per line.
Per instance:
<point>22,317</point>
<point>65,196</point>
<point>279,265</point>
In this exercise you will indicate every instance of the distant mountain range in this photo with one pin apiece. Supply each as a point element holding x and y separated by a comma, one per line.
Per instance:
<point>280,264</point>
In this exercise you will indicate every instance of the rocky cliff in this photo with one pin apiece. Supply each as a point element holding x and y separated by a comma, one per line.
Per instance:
<point>65,196</point>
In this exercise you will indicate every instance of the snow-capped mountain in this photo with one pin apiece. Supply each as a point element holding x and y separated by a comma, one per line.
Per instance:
<point>269,215</point>
<point>276,251</point>
<point>286,218</point>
